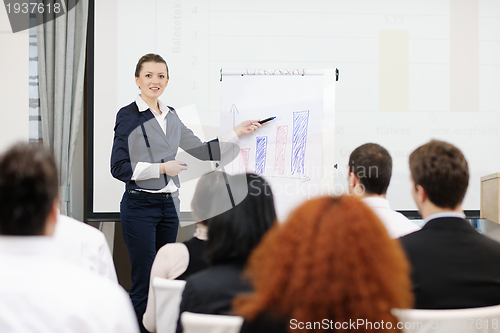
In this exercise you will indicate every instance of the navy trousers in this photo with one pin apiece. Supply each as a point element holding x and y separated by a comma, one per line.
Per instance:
<point>148,223</point>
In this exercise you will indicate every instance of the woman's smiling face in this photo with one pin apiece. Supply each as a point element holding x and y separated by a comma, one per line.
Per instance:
<point>152,79</point>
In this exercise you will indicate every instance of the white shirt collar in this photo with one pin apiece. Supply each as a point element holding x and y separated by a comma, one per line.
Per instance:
<point>201,232</point>
<point>376,202</point>
<point>444,214</point>
<point>27,244</point>
<point>143,106</point>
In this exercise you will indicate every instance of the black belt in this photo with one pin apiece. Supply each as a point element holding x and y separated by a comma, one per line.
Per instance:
<point>157,195</point>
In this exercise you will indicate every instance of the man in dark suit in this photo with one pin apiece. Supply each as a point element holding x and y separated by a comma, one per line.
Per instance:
<point>453,266</point>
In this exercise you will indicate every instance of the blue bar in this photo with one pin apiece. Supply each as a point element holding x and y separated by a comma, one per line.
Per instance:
<point>260,155</point>
<point>299,138</point>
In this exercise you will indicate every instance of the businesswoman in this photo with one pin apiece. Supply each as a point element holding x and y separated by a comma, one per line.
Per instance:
<point>147,136</point>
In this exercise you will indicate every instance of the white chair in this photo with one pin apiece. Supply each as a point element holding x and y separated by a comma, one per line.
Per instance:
<point>475,320</point>
<point>168,295</point>
<point>207,323</point>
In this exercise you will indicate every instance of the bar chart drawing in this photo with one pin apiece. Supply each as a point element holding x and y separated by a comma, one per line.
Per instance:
<point>300,121</point>
<point>244,158</point>
<point>260,155</point>
<point>279,160</point>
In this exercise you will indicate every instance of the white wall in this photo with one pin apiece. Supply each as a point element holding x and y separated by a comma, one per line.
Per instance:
<point>445,51</point>
<point>14,86</point>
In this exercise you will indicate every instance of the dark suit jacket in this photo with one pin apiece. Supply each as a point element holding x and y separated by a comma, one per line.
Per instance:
<point>139,138</point>
<point>265,324</point>
<point>212,291</point>
<point>453,265</point>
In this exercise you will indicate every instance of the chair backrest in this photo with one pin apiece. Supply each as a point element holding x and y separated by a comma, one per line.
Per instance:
<point>168,295</point>
<point>207,323</point>
<point>475,320</point>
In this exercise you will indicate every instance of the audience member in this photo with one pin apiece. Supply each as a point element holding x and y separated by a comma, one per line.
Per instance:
<point>40,291</point>
<point>331,263</point>
<point>86,246</point>
<point>240,211</point>
<point>454,266</point>
<point>370,170</point>
<point>180,260</point>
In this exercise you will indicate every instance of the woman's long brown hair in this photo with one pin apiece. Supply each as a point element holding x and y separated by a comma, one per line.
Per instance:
<point>332,259</point>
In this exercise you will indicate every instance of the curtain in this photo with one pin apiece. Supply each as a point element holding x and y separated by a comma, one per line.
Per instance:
<point>35,125</point>
<point>61,71</point>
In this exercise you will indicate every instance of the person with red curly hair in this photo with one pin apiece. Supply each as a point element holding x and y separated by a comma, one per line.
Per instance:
<point>330,266</point>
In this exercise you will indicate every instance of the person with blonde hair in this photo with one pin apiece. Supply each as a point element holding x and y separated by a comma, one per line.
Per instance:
<point>330,266</point>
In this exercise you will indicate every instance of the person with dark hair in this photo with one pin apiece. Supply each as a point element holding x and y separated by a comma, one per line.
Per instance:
<point>454,266</point>
<point>370,170</point>
<point>147,136</point>
<point>331,262</point>
<point>240,210</point>
<point>40,290</point>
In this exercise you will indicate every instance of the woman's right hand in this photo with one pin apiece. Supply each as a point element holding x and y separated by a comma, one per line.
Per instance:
<point>172,168</point>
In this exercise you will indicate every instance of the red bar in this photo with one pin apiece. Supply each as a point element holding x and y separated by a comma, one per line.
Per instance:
<point>279,161</point>
<point>244,157</point>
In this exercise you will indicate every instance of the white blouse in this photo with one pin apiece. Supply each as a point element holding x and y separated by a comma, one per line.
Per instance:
<point>170,262</point>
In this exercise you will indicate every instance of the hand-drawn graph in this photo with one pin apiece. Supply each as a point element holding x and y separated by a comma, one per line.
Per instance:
<point>279,160</point>
<point>244,158</point>
<point>260,155</point>
<point>300,120</point>
<point>234,111</point>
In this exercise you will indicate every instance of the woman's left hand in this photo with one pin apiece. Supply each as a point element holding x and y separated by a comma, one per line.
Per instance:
<point>247,127</point>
